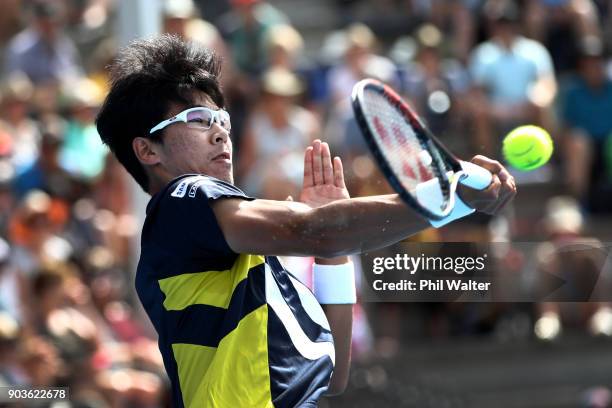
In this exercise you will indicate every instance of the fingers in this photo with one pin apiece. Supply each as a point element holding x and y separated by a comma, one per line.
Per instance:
<point>338,173</point>
<point>323,171</point>
<point>494,188</point>
<point>507,193</point>
<point>492,165</point>
<point>308,176</point>
<point>317,164</point>
<point>328,171</point>
<point>495,167</point>
<point>319,168</point>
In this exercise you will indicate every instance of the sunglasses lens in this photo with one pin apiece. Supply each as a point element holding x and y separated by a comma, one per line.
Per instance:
<point>224,120</point>
<point>204,118</point>
<point>200,118</point>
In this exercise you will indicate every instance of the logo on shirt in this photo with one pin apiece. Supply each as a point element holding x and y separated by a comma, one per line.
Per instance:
<point>180,190</point>
<point>194,188</point>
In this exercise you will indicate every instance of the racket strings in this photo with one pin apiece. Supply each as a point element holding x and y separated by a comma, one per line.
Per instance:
<point>408,158</point>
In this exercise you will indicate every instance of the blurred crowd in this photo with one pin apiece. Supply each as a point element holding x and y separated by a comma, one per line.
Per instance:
<point>474,69</point>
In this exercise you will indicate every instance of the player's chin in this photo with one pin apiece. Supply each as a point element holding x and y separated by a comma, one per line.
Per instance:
<point>222,170</point>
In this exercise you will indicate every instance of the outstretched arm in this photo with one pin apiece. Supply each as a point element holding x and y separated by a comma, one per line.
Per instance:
<point>342,227</point>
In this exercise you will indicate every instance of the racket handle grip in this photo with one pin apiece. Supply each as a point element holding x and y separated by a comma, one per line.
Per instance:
<point>475,177</point>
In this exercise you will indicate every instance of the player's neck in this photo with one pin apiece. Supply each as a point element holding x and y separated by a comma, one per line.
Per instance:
<point>158,182</point>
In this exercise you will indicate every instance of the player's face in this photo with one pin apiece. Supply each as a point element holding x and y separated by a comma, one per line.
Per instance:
<point>191,150</point>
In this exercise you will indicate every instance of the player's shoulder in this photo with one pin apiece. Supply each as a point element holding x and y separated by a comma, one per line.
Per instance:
<point>191,186</point>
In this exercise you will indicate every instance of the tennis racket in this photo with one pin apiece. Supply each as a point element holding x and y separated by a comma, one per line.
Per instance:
<point>408,153</point>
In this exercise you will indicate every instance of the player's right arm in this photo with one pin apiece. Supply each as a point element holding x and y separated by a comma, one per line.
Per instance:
<point>343,227</point>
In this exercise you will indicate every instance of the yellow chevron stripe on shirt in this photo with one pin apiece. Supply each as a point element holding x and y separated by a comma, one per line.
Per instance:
<point>236,374</point>
<point>212,288</point>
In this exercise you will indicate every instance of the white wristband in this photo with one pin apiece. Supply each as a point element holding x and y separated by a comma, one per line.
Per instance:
<point>460,210</point>
<point>430,192</point>
<point>334,284</point>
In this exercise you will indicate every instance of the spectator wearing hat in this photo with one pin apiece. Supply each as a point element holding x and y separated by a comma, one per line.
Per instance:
<point>183,19</point>
<point>277,132</point>
<point>284,47</point>
<point>34,230</point>
<point>245,30</point>
<point>358,61</point>
<point>82,154</point>
<point>42,51</point>
<point>434,83</point>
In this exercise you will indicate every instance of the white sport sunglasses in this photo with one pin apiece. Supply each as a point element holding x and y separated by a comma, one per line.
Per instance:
<point>198,118</point>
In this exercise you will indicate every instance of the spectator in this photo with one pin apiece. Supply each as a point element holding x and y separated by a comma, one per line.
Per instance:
<point>45,173</point>
<point>277,132</point>
<point>181,18</point>
<point>82,154</point>
<point>435,84</point>
<point>456,20</point>
<point>507,54</point>
<point>33,232</point>
<point>586,104</point>
<point>359,61</point>
<point>13,287</point>
<point>561,25</point>
<point>88,23</point>
<point>579,261</point>
<point>245,28</point>
<point>7,197</point>
<point>9,340</point>
<point>284,47</point>
<point>16,92</point>
<point>42,51</point>
<point>40,364</point>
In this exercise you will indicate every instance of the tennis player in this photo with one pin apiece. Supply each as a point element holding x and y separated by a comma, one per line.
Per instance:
<point>235,328</point>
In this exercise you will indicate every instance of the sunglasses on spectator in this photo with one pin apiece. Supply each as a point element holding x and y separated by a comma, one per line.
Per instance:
<point>198,118</point>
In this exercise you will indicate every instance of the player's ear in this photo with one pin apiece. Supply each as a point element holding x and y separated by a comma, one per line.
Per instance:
<point>146,151</point>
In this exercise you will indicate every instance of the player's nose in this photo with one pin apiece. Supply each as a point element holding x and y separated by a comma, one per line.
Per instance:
<point>218,134</point>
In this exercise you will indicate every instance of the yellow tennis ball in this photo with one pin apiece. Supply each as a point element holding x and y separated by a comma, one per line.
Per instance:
<point>527,147</point>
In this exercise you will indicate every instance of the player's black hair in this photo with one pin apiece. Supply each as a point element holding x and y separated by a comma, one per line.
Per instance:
<point>146,78</point>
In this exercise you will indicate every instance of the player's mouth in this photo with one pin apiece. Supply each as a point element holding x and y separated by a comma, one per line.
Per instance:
<point>223,157</point>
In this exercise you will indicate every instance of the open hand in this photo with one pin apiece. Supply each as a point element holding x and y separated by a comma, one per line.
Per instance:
<point>323,177</point>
